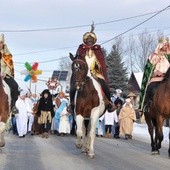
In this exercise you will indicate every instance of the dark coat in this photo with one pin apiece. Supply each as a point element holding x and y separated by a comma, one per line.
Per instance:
<point>46,104</point>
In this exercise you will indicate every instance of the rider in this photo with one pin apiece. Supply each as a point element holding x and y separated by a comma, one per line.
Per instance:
<point>155,69</point>
<point>7,70</point>
<point>98,69</point>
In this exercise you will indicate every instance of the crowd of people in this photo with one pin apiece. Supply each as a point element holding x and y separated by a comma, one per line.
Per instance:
<point>54,118</point>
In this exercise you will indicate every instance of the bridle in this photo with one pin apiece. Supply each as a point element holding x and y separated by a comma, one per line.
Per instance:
<point>79,65</point>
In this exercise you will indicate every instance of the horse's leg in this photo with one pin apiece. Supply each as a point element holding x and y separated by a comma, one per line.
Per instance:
<point>169,144</point>
<point>150,130</point>
<point>2,129</point>
<point>93,123</point>
<point>85,136</point>
<point>159,133</point>
<point>79,121</point>
<point>3,120</point>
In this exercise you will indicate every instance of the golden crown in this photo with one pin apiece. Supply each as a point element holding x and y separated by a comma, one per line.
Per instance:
<point>164,40</point>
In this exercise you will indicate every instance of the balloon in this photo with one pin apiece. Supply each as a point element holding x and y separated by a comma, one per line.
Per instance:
<point>38,72</point>
<point>28,77</point>
<point>35,66</point>
<point>34,78</point>
<point>28,66</point>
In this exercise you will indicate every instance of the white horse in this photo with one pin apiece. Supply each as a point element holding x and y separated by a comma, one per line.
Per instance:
<point>89,104</point>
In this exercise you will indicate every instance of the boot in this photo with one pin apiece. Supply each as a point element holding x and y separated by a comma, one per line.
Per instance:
<point>109,135</point>
<point>106,135</point>
<point>70,108</point>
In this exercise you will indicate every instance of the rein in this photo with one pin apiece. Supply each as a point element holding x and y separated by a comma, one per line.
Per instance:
<point>84,79</point>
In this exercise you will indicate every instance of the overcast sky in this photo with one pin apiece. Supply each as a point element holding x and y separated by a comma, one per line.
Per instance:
<point>20,20</point>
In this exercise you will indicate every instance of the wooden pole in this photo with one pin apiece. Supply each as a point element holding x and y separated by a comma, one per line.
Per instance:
<point>30,84</point>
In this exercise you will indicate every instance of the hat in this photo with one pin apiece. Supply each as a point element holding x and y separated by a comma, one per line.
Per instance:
<point>91,33</point>
<point>131,94</point>
<point>118,91</point>
<point>118,101</point>
<point>164,40</point>
<point>23,93</point>
<point>2,38</point>
<point>87,34</point>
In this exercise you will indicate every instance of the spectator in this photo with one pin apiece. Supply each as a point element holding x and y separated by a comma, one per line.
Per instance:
<point>109,118</point>
<point>21,117</point>
<point>126,117</point>
<point>29,105</point>
<point>45,112</point>
<point>118,103</point>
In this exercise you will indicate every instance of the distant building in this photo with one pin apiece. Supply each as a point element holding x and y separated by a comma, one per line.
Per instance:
<point>134,83</point>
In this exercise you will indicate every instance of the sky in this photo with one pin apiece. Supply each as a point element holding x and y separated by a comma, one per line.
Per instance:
<point>48,30</point>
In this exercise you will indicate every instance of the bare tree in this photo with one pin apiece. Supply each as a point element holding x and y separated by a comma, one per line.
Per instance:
<point>138,50</point>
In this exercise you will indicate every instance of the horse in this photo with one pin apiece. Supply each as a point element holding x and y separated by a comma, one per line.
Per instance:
<point>5,100</point>
<point>89,104</point>
<point>159,110</point>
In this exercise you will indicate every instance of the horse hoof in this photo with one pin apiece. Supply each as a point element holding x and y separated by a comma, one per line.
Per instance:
<point>1,146</point>
<point>155,153</point>
<point>78,146</point>
<point>91,156</point>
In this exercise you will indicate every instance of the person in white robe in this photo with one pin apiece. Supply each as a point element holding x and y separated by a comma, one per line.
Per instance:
<point>29,107</point>
<point>64,126</point>
<point>21,117</point>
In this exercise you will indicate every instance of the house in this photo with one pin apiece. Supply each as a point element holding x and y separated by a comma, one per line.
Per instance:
<point>134,83</point>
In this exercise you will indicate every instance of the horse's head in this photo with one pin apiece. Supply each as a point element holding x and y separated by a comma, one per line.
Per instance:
<point>79,73</point>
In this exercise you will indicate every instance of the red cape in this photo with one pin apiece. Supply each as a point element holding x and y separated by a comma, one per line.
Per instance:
<point>99,55</point>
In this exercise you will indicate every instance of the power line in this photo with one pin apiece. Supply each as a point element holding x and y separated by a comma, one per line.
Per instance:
<point>46,61</point>
<point>80,26</point>
<point>33,52</point>
<point>66,48</point>
<point>136,25</point>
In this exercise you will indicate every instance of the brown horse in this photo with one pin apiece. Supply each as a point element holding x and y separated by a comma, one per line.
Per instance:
<point>159,110</point>
<point>4,108</point>
<point>89,104</point>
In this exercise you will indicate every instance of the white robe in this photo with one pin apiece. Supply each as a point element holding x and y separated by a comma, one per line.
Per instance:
<point>64,126</point>
<point>110,118</point>
<point>21,117</point>
<point>29,107</point>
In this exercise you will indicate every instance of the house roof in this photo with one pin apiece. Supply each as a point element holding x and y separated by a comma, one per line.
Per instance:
<point>134,83</point>
<point>138,77</point>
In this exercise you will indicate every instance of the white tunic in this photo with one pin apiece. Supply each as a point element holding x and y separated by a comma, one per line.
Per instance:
<point>29,107</point>
<point>21,117</point>
<point>64,126</point>
<point>109,117</point>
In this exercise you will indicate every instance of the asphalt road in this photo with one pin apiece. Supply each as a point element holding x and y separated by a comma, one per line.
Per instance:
<point>60,153</point>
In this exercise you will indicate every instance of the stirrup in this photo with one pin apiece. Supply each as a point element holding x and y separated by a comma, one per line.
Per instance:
<point>146,108</point>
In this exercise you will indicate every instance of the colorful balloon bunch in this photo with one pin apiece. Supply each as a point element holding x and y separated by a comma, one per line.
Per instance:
<point>31,72</point>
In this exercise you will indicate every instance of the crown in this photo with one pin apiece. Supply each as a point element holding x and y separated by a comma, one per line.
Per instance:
<point>164,40</point>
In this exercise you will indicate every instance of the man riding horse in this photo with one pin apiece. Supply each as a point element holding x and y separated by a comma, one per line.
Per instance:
<point>7,70</point>
<point>98,68</point>
<point>155,69</point>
